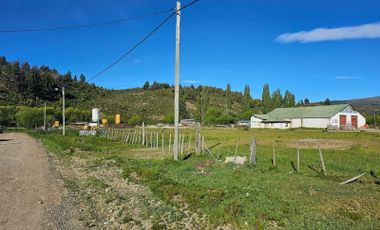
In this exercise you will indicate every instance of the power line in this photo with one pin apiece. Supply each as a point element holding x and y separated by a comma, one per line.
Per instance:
<point>141,41</point>
<point>121,20</point>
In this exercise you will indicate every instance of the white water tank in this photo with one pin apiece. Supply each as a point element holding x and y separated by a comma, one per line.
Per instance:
<point>95,115</point>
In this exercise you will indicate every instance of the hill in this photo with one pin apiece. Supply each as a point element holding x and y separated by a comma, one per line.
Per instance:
<point>23,85</point>
<point>368,105</point>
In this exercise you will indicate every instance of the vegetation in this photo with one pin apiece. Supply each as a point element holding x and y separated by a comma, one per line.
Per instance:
<point>253,197</point>
<point>23,85</point>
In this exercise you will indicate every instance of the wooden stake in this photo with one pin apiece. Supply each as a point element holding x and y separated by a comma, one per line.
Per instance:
<point>143,133</point>
<point>162,141</point>
<point>352,179</point>
<point>151,140</point>
<point>182,141</point>
<point>274,155</point>
<point>157,142</point>
<point>197,138</point>
<point>322,161</point>
<point>252,158</point>
<point>170,141</point>
<point>189,150</point>
<point>298,157</point>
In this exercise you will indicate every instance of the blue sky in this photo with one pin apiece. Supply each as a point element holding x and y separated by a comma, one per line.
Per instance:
<point>236,41</point>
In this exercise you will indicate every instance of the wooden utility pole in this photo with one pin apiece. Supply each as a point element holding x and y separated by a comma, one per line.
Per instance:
<point>176,91</point>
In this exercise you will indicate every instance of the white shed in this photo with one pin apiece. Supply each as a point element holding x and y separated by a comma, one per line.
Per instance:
<point>340,116</point>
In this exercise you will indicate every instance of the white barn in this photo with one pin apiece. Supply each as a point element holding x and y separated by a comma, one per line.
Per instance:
<point>339,116</point>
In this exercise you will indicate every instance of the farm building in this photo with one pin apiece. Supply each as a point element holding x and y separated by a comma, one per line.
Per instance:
<point>339,116</point>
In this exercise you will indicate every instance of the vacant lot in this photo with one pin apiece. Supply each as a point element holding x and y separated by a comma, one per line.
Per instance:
<point>118,185</point>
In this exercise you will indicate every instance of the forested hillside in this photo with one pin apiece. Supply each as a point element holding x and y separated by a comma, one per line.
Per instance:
<point>23,86</point>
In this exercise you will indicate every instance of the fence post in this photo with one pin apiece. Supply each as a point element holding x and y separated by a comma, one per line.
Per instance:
<point>298,157</point>
<point>170,140</point>
<point>322,161</point>
<point>188,150</point>
<point>197,138</point>
<point>252,158</point>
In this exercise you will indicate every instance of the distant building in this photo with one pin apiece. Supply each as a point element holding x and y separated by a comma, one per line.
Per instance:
<point>339,116</point>
<point>188,122</point>
<point>244,123</point>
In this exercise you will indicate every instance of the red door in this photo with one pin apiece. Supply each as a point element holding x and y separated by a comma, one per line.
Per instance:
<point>342,120</point>
<point>354,121</point>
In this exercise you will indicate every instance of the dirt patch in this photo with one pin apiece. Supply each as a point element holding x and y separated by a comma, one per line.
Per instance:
<point>107,201</point>
<point>310,143</point>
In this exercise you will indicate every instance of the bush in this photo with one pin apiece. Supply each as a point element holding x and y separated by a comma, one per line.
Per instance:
<point>169,118</point>
<point>224,119</point>
<point>135,120</point>
<point>30,117</point>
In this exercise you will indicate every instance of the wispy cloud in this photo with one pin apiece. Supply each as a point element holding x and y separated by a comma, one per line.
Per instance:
<point>193,81</point>
<point>136,61</point>
<point>371,30</point>
<point>347,77</point>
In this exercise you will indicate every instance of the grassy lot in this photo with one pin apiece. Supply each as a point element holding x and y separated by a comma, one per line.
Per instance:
<point>253,197</point>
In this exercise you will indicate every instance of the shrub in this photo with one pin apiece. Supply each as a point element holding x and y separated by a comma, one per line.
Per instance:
<point>135,120</point>
<point>30,117</point>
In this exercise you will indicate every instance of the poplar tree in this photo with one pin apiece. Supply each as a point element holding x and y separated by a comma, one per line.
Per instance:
<point>266,99</point>
<point>276,99</point>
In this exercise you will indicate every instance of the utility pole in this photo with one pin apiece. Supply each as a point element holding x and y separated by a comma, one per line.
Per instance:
<point>63,112</point>
<point>45,116</point>
<point>176,91</point>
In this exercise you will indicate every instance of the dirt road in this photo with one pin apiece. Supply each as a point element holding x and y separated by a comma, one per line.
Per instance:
<point>31,196</point>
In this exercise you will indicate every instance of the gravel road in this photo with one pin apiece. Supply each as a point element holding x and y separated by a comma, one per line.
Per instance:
<point>31,195</point>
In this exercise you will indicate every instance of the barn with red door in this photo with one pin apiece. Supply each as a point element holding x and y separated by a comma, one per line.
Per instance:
<point>340,116</point>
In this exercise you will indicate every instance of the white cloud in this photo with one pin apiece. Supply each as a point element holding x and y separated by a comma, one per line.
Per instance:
<point>347,77</point>
<point>192,81</point>
<point>332,34</point>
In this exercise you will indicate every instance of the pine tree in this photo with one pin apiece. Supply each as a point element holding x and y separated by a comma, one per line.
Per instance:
<point>146,85</point>
<point>82,78</point>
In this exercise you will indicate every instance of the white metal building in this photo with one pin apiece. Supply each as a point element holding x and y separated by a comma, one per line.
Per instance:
<point>339,116</point>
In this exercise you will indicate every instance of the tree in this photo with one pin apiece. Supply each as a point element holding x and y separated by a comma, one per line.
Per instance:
<point>202,103</point>
<point>276,99</point>
<point>327,102</point>
<point>30,117</point>
<point>307,101</point>
<point>135,120</point>
<point>169,118</point>
<point>266,99</point>
<point>247,95</point>
<point>82,78</point>
<point>229,95</point>
<point>146,85</point>
<point>211,115</point>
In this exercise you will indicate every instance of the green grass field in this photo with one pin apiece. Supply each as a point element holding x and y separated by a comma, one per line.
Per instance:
<point>250,197</point>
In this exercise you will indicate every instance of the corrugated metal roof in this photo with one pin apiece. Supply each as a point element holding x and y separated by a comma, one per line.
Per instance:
<point>325,111</point>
